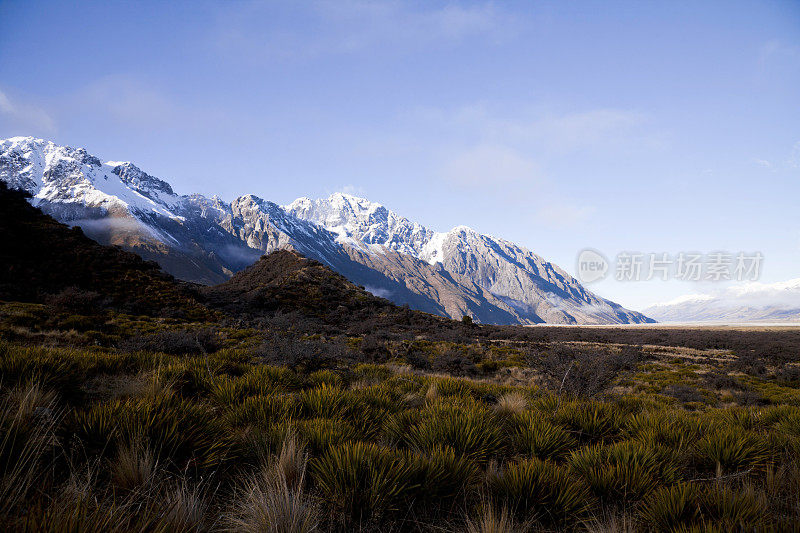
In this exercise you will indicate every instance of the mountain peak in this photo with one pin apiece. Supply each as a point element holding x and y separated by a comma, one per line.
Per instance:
<point>206,239</point>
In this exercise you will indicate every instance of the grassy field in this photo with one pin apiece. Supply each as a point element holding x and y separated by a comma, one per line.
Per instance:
<point>120,422</point>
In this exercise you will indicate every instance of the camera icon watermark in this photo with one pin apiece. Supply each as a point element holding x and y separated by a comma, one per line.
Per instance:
<point>686,266</point>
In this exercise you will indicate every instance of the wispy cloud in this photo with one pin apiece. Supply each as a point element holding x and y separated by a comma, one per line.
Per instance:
<point>512,153</point>
<point>127,100</point>
<point>567,132</point>
<point>350,26</point>
<point>487,164</point>
<point>790,161</point>
<point>123,100</point>
<point>561,214</point>
<point>20,118</point>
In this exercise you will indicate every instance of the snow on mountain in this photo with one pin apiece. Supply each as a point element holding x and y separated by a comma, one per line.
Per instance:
<point>455,273</point>
<point>60,174</point>
<point>358,222</point>
<point>744,302</point>
<point>534,288</point>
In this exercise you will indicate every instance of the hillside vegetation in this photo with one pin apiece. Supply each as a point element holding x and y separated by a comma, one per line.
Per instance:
<point>289,400</point>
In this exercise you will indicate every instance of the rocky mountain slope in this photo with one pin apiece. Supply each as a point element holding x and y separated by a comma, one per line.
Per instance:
<point>207,240</point>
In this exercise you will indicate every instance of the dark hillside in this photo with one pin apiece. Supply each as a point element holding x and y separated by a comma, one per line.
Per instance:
<point>286,282</point>
<point>41,258</point>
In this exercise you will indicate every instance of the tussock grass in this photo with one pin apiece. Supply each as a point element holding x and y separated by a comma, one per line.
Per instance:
<point>363,479</point>
<point>591,421</point>
<point>134,467</point>
<point>494,520</point>
<point>28,422</point>
<point>470,431</point>
<point>727,450</point>
<point>221,441</point>
<point>626,471</point>
<point>273,499</point>
<point>691,506</point>
<point>540,490</point>
<point>537,436</point>
<point>513,403</point>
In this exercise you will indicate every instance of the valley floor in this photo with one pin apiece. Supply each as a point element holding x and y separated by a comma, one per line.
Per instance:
<point>120,422</point>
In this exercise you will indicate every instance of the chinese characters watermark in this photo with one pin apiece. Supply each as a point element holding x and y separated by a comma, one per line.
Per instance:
<point>685,266</point>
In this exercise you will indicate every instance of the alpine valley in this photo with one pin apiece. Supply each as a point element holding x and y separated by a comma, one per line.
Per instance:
<point>207,240</point>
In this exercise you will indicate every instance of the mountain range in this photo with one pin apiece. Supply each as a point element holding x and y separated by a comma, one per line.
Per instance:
<point>207,240</point>
<point>748,302</point>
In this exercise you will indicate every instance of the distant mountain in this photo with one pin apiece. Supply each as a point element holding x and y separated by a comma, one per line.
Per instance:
<point>748,302</point>
<point>207,240</point>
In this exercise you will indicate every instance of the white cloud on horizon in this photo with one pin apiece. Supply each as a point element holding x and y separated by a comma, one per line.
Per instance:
<point>781,295</point>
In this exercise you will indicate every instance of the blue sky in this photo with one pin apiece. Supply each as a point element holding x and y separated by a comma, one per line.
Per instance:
<point>649,126</point>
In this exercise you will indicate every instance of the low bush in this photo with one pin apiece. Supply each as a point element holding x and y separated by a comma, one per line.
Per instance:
<point>175,342</point>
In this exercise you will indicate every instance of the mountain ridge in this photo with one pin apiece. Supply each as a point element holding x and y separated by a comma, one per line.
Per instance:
<point>207,240</point>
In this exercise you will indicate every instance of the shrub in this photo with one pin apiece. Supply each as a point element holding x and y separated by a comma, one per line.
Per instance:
<point>362,479</point>
<point>538,489</point>
<point>684,393</point>
<point>581,372</point>
<point>75,300</point>
<point>177,342</point>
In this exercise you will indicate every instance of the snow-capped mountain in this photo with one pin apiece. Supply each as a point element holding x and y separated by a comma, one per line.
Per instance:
<point>745,302</point>
<point>206,240</point>
<point>537,290</point>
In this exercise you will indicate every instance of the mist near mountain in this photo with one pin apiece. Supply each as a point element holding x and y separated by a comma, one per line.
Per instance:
<point>747,302</point>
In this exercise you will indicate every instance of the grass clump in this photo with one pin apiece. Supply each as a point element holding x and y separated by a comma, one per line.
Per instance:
<point>538,437</point>
<point>624,472</point>
<point>727,450</point>
<point>470,431</point>
<point>688,506</point>
<point>363,479</point>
